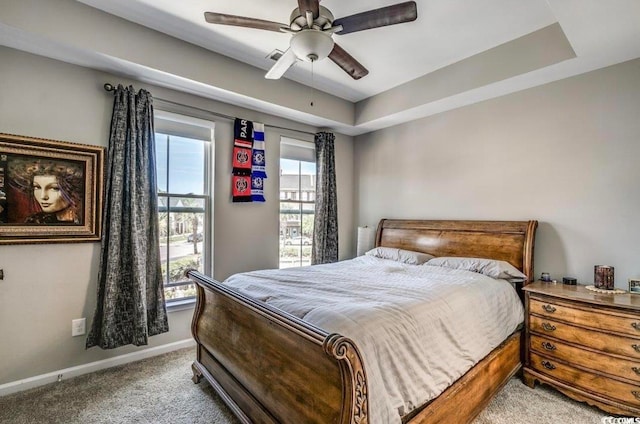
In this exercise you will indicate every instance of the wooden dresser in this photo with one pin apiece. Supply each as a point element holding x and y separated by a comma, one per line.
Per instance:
<point>585,344</point>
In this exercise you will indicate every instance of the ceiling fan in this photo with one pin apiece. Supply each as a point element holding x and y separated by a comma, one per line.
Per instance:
<point>312,27</point>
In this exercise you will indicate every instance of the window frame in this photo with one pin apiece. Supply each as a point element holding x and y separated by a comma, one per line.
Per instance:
<point>300,151</point>
<point>208,196</point>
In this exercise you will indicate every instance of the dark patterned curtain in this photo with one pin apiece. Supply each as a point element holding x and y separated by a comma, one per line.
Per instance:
<point>130,304</point>
<point>325,227</point>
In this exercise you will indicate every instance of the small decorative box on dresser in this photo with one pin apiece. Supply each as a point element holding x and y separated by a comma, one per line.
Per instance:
<point>585,344</point>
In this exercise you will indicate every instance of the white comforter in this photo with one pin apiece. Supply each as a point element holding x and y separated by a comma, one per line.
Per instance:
<point>419,328</point>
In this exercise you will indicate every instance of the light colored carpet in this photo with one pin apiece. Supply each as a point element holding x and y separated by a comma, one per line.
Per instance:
<point>159,390</point>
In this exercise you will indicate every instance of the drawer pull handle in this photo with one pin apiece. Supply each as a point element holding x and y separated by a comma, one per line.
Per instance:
<point>548,327</point>
<point>636,347</point>
<point>548,365</point>
<point>549,308</point>
<point>548,346</point>
<point>636,370</point>
<point>636,325</point>
<point>636,394</point>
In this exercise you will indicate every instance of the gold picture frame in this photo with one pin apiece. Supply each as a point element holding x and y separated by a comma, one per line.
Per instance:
<point>50,191</point>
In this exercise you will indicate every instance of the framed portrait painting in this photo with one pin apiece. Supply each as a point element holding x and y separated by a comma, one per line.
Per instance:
<point>50,191</point>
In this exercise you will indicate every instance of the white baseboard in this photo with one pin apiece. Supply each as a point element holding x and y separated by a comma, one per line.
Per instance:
<point>64,374</point>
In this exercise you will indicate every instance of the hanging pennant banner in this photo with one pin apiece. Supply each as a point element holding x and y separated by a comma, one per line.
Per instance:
<point>242,146</point>
<point>258,164</point>
<point>257,189</point>
<point>242,153</point>
<point>241,188</point>
<point>249,168</point>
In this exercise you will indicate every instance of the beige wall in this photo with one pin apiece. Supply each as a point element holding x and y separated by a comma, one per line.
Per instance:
<point>565,153</point>
<point>46,286</point>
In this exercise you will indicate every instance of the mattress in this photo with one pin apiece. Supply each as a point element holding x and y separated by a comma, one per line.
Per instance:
<point>419,328</point>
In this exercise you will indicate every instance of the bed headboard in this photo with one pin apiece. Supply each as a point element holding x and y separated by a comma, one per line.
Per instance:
<point>510,241</point>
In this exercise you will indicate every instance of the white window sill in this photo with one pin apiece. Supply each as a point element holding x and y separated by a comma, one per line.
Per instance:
<point>181,305</point>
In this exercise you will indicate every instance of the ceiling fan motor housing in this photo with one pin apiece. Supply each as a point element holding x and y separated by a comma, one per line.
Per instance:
<point>311,45</point>
<point>298,20</point>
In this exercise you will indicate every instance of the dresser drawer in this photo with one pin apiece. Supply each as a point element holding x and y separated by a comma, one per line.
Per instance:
<point>625,346</point>
<point>595,318</point>
<point>554,349</point>
<point>590,382</point>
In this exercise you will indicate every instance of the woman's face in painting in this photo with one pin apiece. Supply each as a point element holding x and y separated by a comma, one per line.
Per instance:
<point>46,191</point>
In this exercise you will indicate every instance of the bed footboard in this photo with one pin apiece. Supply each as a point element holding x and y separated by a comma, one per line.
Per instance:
<point>271,367</point>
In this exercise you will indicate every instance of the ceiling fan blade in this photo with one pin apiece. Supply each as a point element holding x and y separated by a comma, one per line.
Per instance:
<point>344,60</point>
<point>311,5</point>
<point>390,15</point>
<point>285,62</point>
<point>242,21</point>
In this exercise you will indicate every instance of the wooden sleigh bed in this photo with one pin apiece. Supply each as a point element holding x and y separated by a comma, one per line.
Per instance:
<point>271,367</point>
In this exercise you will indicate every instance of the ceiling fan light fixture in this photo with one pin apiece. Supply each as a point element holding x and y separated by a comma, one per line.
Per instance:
<point>311,45</point>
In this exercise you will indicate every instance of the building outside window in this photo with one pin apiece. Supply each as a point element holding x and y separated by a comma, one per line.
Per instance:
<point>184,154</point>
<point>297,205</point>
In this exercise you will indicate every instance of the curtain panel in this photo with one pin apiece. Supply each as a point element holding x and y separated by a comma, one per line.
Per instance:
<point>325,227</point>
<point>130,306</point>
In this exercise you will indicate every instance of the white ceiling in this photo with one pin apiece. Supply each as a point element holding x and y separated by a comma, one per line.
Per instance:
<point>447,33</point>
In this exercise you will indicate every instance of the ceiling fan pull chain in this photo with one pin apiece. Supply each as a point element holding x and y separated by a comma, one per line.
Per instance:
<point>313,88</point>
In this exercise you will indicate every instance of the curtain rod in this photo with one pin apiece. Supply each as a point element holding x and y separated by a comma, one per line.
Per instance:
<point>110,87</point>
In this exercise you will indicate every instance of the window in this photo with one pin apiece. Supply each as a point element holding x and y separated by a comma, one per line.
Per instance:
<point>297,207</point>
<point>185,181</point>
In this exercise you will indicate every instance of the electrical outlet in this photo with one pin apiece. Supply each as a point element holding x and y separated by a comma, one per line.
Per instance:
<point>78,327</point>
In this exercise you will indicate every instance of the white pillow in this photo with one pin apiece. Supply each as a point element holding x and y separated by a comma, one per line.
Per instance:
<point>400,255</point>
<point>489,267</point>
